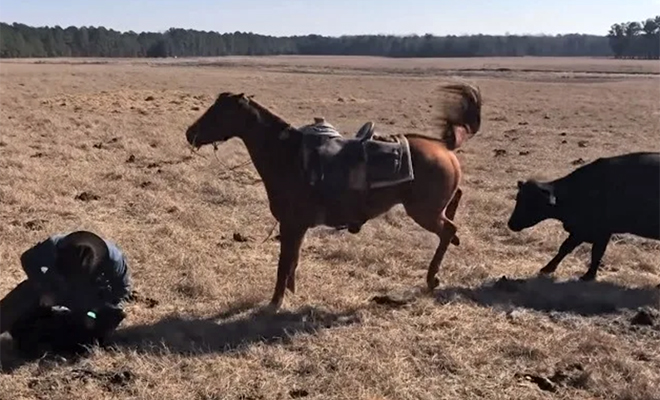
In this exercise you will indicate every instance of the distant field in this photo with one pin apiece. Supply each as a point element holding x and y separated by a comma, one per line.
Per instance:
<point>529,64</point>
<point>115,129</point>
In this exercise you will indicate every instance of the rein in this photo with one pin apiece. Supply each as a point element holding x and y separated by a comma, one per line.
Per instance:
<point>282,135</point>
<point>235,167</point>
<point>228,169</point>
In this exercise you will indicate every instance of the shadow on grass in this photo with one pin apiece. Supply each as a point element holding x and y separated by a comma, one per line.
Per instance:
<point>231,330</point>
<point>228,331</point>
<point>545,294</point>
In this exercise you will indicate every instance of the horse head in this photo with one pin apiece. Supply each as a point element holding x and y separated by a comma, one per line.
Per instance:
<point>229,116</point>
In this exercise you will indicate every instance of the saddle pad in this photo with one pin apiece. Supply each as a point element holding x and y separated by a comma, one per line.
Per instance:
<point>388,163</point>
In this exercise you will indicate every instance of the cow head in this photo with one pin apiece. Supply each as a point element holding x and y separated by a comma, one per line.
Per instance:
<point>535,202</point>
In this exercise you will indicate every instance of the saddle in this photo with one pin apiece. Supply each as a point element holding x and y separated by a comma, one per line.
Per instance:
<point>342,170</point>
<point>366,132</point>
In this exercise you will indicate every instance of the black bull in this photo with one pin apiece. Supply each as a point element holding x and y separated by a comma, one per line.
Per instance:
<point>613,195</point>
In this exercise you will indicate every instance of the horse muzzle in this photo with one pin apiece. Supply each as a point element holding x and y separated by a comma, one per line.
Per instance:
<point>191,135</point>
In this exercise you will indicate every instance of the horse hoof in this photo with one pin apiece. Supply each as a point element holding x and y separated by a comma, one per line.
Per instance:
<point>455,241</point>
<point>587,277</point>
<point>291,286</point>
<point>432,284</point>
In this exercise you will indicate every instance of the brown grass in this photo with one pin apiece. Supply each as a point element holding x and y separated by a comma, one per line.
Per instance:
<point>69,128</point>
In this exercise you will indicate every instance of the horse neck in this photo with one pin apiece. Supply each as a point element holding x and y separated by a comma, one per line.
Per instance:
<point>267,143</point>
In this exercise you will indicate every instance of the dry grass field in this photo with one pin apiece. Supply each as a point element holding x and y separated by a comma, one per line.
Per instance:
<point>100,145</point>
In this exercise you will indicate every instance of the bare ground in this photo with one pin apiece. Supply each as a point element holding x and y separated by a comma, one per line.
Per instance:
<point>101,147</point>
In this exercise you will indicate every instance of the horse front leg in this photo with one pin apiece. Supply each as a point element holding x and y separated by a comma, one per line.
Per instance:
<point>291,238</point>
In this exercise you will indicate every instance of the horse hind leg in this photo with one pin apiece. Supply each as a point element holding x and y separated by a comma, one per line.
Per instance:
<point>438,221</point>
<point>446,233</point>
<point>450,212</point>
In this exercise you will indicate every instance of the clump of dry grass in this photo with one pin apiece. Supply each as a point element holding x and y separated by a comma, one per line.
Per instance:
<point>194,235</point>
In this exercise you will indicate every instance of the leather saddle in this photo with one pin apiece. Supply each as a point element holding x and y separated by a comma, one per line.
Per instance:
<point>342,169</point>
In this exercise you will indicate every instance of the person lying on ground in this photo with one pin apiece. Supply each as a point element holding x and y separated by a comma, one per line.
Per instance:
<point>74,293</point>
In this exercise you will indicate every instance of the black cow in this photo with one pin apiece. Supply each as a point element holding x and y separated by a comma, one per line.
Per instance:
<point>613,195</point>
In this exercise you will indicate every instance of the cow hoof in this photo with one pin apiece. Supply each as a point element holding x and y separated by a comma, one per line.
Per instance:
<point>455,240</point>
<point>587,277</point>
<point>546,271</point>
<point>354,229</point>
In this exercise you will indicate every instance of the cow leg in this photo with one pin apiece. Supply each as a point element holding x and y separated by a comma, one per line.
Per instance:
<point>291,239</point>
<point>571,242</point>
<point>597,252</point>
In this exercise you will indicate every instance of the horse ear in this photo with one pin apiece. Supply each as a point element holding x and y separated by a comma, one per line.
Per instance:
<point>250,96</point>
<point>520,184</point>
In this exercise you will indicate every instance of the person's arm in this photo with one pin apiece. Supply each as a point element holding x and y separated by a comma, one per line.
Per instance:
<point>120,282</point>
<point>40,255</point>
<point>38,262</point>
<point>117,278</point>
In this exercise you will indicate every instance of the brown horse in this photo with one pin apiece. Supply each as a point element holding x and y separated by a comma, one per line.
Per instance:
<point>430,199</point>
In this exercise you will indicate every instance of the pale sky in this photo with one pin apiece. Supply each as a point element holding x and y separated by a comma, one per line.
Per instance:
<point>335,17</point>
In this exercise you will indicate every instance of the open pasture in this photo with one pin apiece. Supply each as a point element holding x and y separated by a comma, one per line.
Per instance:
<point>101,146</point>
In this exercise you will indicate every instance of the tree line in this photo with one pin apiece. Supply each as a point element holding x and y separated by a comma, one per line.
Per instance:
<point>636,39</point>
<point>631,39</point>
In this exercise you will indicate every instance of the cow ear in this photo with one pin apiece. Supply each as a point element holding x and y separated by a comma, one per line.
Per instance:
<point>520,184</point>
<point>552,199</point>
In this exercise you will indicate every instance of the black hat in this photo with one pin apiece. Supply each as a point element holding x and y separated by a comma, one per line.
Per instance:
<point>81,253</point>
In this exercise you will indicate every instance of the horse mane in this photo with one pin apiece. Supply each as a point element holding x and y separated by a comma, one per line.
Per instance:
<point>459,115</point>
<point>260,110</point>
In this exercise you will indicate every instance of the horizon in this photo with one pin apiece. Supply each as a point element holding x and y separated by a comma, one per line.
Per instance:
<point>511,17</point>
<point>306,34</point>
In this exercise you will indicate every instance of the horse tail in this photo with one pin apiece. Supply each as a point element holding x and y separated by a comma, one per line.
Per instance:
<point>460,113</point>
